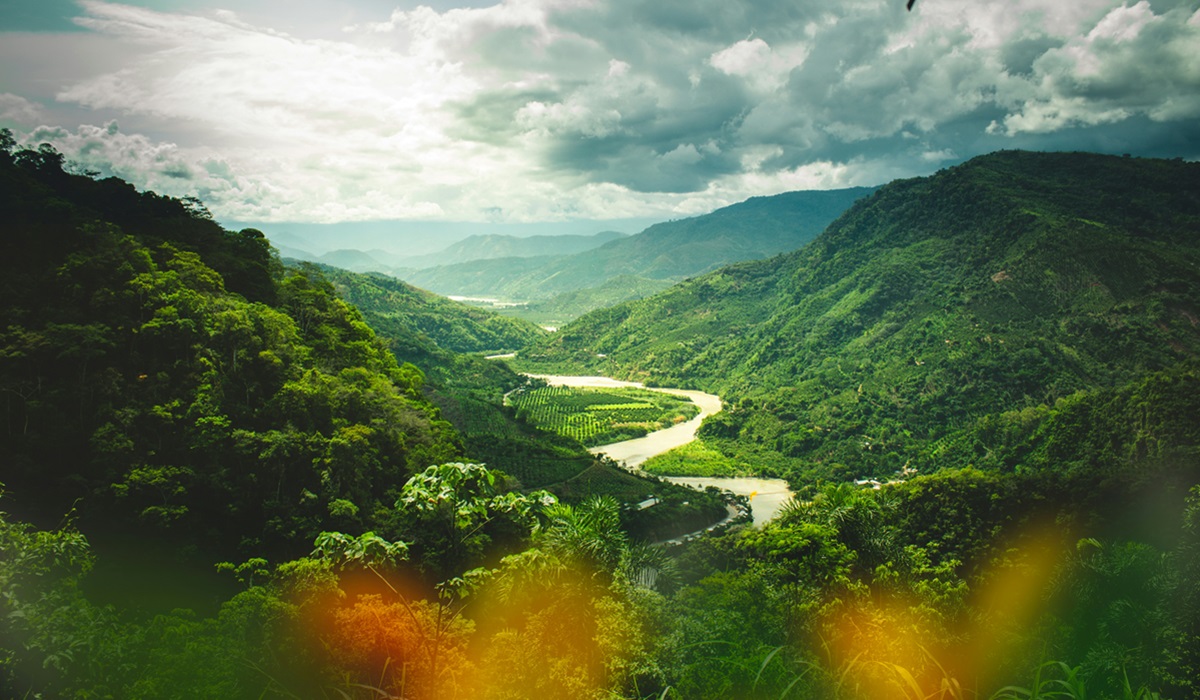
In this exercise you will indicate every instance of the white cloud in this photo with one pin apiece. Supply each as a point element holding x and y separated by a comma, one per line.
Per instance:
<point>17,109</point>
<point>756,61</point>
<point>573,116</point>
<point>162,167</point>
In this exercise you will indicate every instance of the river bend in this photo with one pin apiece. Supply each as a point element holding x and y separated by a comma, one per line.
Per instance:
<point>766,496</point>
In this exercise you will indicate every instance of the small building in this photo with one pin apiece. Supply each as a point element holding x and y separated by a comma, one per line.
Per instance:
<point>652,501</point>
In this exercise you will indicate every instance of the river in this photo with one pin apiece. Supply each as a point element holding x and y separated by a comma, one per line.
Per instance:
<point>766,496</point>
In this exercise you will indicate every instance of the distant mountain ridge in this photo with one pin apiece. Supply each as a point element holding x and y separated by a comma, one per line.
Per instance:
<point>1006,283</point>
<point>470,249</point>
<point>673,250</point>
<point>493,246</point>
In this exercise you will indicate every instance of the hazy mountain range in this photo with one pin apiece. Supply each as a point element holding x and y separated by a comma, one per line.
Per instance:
<point>672,250</point>
<point>629,267</point>
<point>562,277</point>
<point>475,247</point>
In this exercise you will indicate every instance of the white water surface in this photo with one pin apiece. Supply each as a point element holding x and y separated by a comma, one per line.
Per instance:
<point>767,496</point>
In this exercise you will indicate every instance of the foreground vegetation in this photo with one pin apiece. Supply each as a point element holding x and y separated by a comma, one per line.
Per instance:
<point>835,599</point>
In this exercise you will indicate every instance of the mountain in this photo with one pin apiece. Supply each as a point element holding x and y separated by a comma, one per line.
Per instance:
<point>182,415</point>
<point>1008,283</point>
<point>756,228</point>
<point>169,381</point>
<point>177,389</point>
<point>471,248</point>
<point>479,278</point>
<point>492,246</point>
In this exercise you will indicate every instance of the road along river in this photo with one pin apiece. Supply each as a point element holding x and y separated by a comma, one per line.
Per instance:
<point>766,496</point>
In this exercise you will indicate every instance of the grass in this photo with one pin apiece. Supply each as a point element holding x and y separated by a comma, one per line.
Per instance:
<point>696,459</point>
<point>600,416</point>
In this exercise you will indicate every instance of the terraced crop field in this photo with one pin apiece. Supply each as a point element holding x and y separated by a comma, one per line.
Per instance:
<point>600,416</point>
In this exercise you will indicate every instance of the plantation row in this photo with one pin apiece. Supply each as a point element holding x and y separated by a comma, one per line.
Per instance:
<point>600,416</point>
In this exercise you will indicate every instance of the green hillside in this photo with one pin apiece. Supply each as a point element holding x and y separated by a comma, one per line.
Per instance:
<point>437,334</point>
<point>407,311</point>
<point>1009,282</point>
<point>502,278</point>
<point>756,228</point>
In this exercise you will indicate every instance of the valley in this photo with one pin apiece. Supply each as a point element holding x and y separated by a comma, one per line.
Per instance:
<point>600,350</point>
<point>340,467</point>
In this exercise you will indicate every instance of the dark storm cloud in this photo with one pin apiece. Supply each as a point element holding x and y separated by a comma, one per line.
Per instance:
<point>1019,56</point>
<point>703,86</point>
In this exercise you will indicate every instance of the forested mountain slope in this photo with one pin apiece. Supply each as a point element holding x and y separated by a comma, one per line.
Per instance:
<point>673,250</point>
<point>1006,283</point>
<point>408,311</point>
<point>559,310</point>
<point>173,382</point>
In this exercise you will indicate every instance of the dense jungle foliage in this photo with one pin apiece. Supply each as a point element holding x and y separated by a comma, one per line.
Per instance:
<point>228,409</point>
<point>219,482</point>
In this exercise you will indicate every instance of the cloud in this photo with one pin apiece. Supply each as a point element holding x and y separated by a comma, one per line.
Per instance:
<point>552,109</point>
<point>162,167</point>
<point>756,62</point>
<point>1132,62</point>
<point>17,109</point>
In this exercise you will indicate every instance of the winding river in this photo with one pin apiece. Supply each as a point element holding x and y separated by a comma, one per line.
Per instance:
<point>766,496</point>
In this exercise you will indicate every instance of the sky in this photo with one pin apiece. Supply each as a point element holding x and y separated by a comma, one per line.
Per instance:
<point>580,112</point>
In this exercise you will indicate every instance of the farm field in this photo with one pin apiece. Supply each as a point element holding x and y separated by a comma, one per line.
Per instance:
<point>600,416</point>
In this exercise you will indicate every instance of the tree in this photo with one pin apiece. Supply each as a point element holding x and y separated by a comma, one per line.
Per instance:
<point>449,509</point>
<point>8,144</point>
